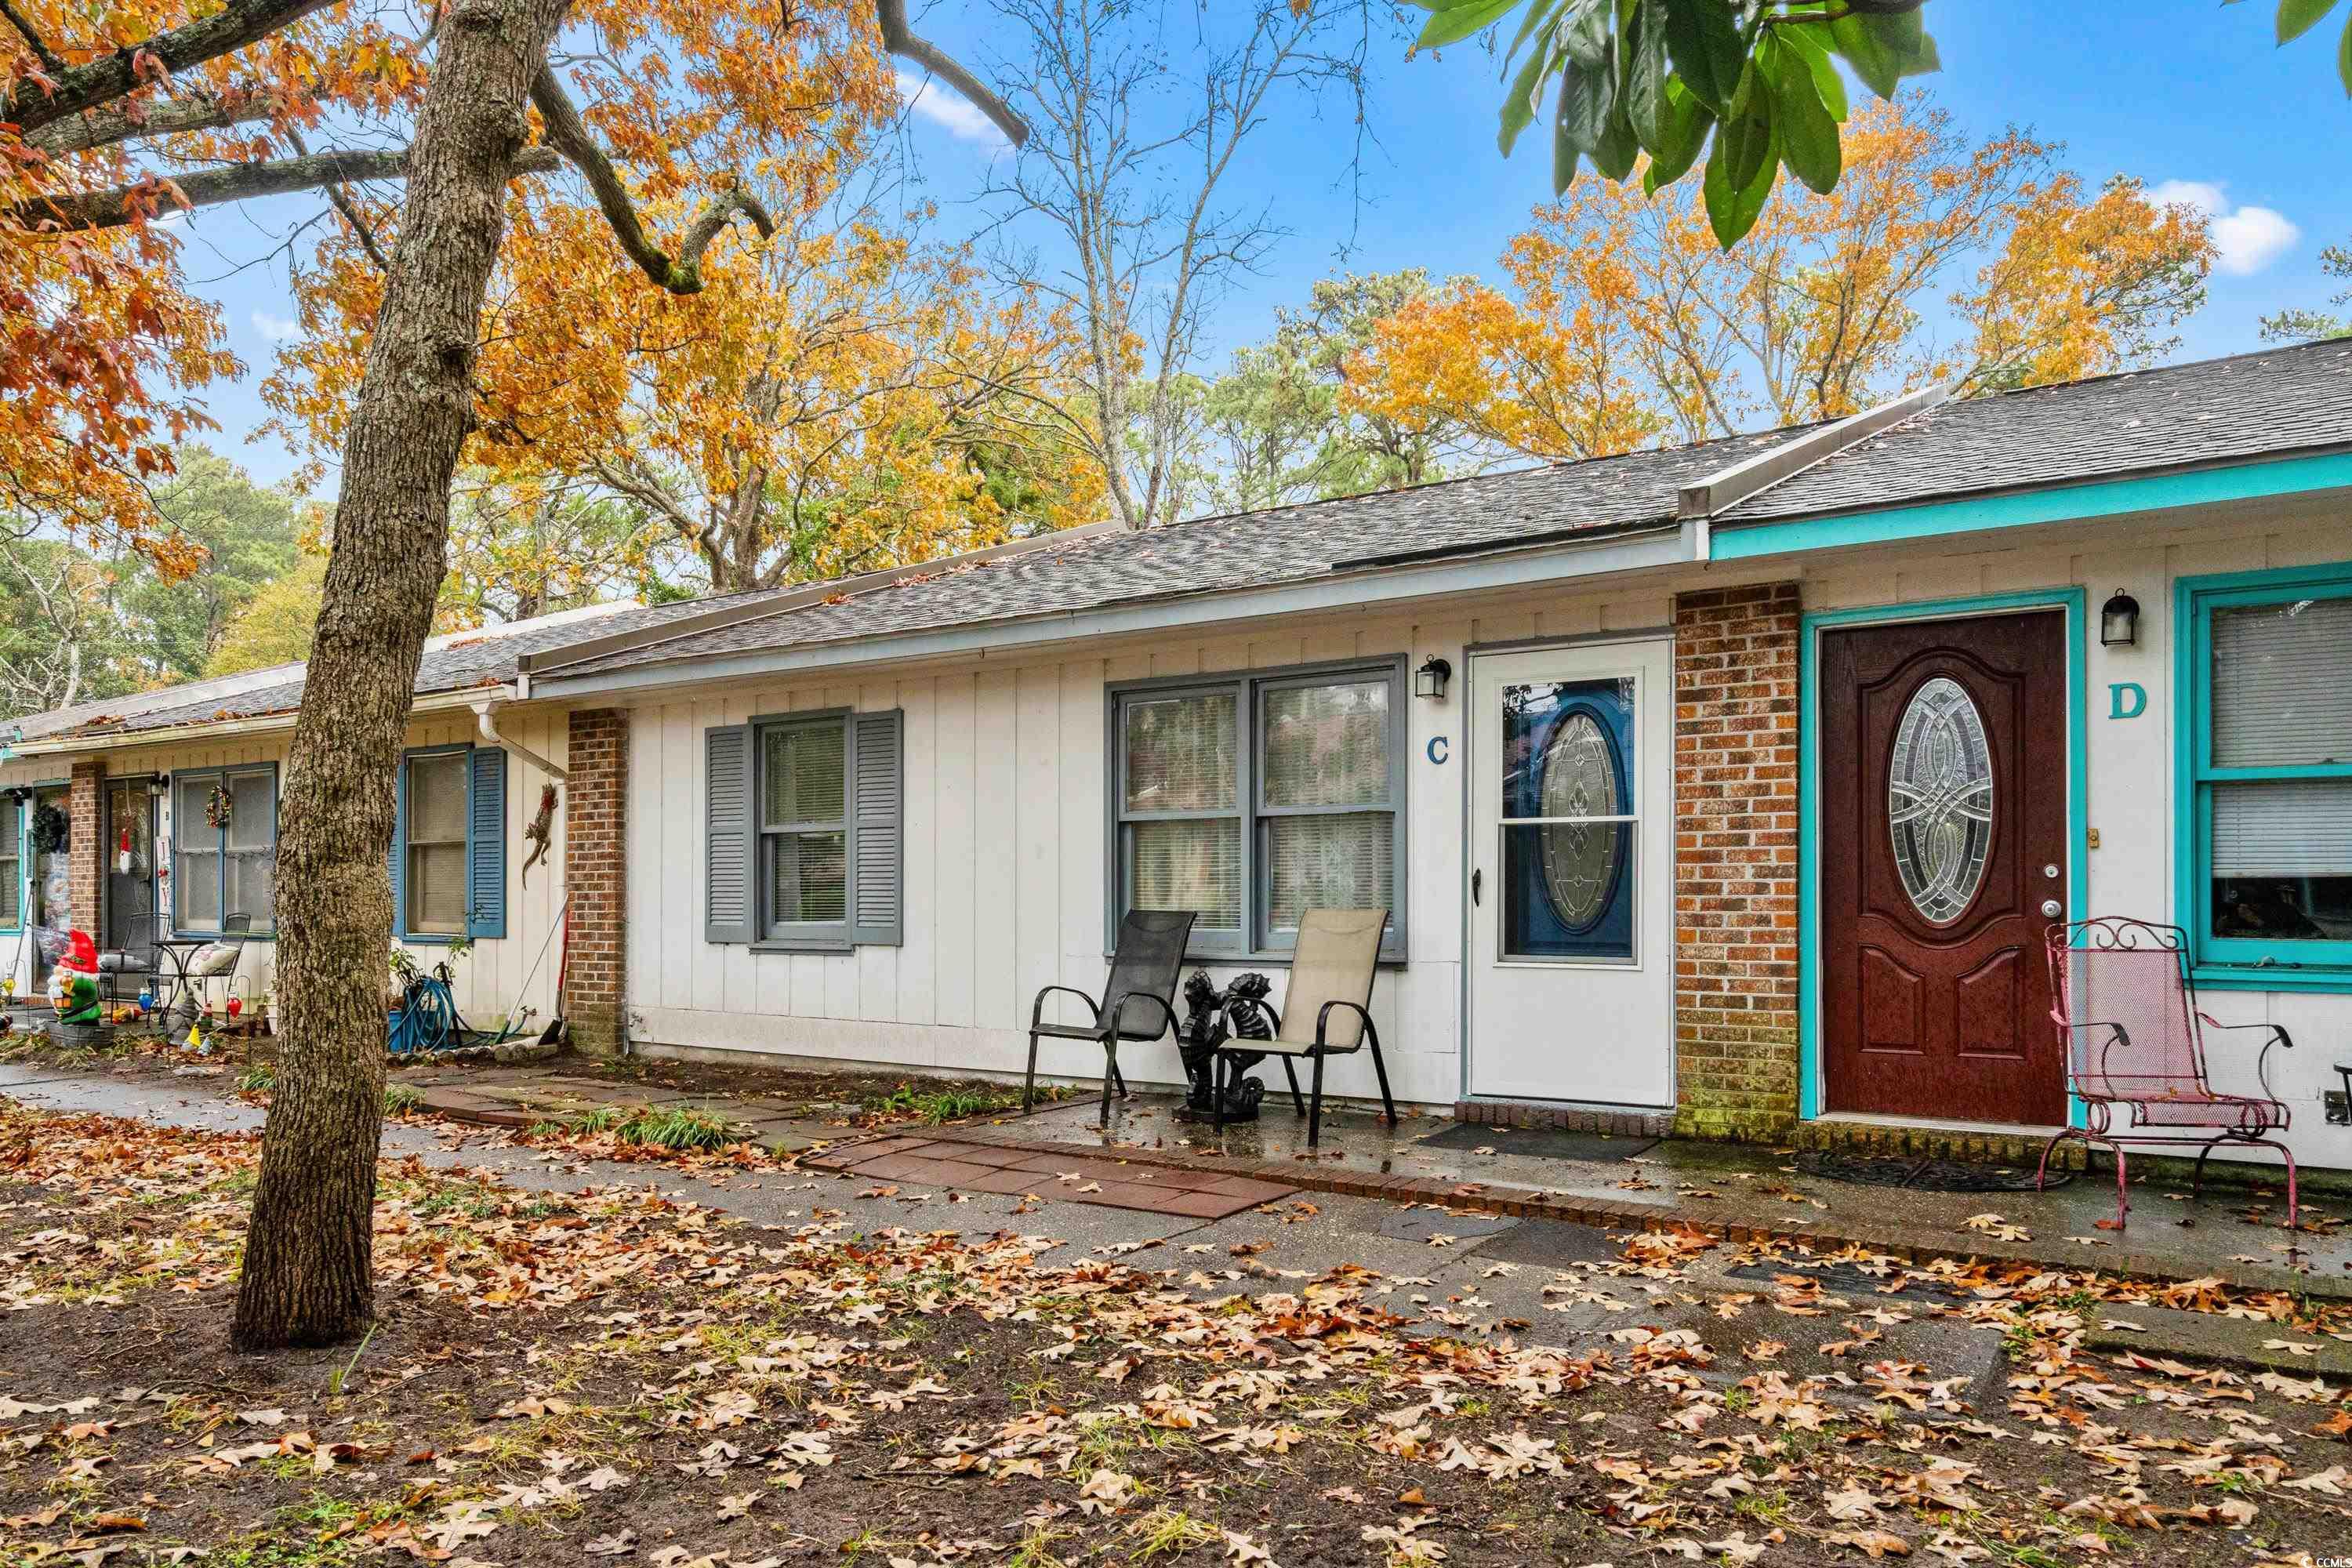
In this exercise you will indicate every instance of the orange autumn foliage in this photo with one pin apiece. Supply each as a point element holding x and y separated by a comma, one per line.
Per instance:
<point>1624,321</point>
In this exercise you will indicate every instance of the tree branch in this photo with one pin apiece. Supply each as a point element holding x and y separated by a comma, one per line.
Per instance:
<point>50,60</point>
<point>121,205</point>
<point>900,40</point>
<point>125,123</point>
<point>340,195</point>
<point>569,134</point>
<point>226,30</point>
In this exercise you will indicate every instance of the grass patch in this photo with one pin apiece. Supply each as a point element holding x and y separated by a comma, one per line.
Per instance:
<point>672,1127</point>
<point>402,1100</point>
<point>261,1078</point>
<point>936,1105</point>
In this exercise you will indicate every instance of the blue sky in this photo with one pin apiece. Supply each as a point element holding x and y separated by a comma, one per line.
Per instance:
<point>2169,90</point>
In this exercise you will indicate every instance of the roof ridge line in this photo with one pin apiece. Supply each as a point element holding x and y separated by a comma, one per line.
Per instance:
<point>1728,488</point>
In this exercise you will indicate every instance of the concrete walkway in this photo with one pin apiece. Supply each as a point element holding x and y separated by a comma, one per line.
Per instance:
<point>1460,1271</point>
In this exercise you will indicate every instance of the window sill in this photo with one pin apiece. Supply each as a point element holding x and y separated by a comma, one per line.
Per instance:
<point>786,944</point>
<point>1278,958</point>
<point>219,936</point>
<point>2275,977</point>
<point>431,939</point>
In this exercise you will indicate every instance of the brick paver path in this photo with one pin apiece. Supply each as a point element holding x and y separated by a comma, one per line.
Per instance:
<point>1071,1175</point>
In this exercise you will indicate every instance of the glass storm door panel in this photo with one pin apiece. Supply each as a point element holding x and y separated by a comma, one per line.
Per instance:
<point>1941,846</point>
<point>1570,977</point>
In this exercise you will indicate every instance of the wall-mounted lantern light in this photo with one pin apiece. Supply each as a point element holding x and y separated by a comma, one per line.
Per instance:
<point>2119,621</point>
<point>1430,679</point>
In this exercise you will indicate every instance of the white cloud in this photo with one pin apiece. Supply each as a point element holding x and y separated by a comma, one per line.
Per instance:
<point>944,106</point>
<point>276,328</point>
<point>2245,240</point>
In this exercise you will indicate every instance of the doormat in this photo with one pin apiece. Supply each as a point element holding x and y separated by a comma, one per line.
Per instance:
<point>1920,1175</point>
<point>1543,1143</point>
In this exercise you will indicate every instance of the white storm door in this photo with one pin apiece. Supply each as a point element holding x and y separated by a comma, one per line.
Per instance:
<point>1570,868</point>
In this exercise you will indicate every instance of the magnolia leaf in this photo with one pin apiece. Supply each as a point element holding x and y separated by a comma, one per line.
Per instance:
<point>1704,45</point>
<point>2296,17</point>
<point>1455,23</point>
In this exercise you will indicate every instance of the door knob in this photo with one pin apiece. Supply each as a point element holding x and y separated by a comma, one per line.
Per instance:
<point>2052,908</point>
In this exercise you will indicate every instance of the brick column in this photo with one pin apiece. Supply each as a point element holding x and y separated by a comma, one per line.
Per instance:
<point>595,873</point>
<point>1736,833</point>
<point>86,851</point>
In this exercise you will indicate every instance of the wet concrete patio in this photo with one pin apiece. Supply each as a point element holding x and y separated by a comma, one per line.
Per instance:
<point>2234,1228</point>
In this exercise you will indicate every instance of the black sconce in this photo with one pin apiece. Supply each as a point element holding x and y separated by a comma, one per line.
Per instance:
<point>1430,679</point>
<point>2119,621</point>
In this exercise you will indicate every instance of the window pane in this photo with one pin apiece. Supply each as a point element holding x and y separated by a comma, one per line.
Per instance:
<point>1567,890</point>
<point>1568,749</point>
<point>436,888</point>
<point>1333,862</point>
<point>2279,695</point>
<point>12,879</point>
<point>197,890</point>
<point>253,817</point>
<point>800,770</point>
<point>807,876</point>
<point>1179,754</point>
<point>1193,865</point>
<point>2282,860</point>
<point>189,825</point>
<point>1327,746</point>
<point>436,799</point>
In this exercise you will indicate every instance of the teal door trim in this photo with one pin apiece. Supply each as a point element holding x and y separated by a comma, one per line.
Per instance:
<point>2233,964</point>
<point>2018,509</point>
<point>1809,914</point>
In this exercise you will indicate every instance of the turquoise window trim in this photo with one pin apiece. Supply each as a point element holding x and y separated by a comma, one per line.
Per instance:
<point>2235,964</point>
<point>1809,914</point>
<point>400,910</point>
<point>171,785</point>
<point>2018,509</point>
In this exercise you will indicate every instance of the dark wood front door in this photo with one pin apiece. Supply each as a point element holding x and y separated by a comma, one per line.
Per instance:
<point>1942,838</point>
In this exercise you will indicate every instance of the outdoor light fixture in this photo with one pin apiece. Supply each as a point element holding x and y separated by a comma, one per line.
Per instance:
<point>1430,679</point>
<point>2119,621</point>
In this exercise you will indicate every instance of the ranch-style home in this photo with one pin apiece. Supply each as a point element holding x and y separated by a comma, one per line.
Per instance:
<point>1728,787</point>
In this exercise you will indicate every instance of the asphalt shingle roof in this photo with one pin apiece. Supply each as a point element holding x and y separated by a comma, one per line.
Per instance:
<point>2272,404</point>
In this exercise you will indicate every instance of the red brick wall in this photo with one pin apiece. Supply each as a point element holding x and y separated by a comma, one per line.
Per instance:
<point>86,861</point>
<point>595,800</point>
<point>1736,861</point>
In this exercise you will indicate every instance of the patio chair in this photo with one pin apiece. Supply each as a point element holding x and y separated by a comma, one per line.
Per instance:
<point>1139,1001</point>
<point>2127,1013</point>
<point>1324,1011</point>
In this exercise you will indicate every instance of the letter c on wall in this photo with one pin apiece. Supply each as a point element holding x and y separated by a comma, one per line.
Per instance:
<point>1439,750</point>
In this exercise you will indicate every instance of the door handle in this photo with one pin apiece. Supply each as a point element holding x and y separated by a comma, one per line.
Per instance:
<point>1476,877</point>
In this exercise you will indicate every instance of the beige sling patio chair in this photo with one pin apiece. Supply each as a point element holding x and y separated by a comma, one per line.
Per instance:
<point>1324,1011</point>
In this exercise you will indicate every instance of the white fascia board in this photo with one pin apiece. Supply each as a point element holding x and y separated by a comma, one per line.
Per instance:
<point>260,724</point>
<point>1667,545</point>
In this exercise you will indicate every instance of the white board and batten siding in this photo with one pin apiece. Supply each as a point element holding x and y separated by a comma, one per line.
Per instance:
<point>494,975</point>
<point>1004,812</point>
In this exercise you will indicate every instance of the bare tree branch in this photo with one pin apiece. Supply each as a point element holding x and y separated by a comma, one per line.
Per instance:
<point>569,134</point>
<point>128,122</point>
<point>121,204</point>
<point>340,195</point>
<point>226,30</point>
<point>900,40</point>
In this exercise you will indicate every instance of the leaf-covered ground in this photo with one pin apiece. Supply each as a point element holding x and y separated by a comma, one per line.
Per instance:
<point>608,1377</point>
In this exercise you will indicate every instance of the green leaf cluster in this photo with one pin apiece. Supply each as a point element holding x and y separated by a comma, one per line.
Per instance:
<point>1739,89</point>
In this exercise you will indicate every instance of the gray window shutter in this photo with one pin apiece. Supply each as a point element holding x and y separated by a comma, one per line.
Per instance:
<point>731,835</point>
<point>875,745</point>
<point>486,843</point>
<point>399,856</point>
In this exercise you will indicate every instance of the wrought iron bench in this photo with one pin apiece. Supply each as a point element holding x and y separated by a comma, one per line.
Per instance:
<point>2126,1014</point>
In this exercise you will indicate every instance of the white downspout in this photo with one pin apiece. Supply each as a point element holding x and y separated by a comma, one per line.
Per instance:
<point>486,713</point>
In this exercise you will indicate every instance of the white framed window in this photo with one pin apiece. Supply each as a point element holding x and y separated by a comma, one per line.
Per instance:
<point>224,850</point>
<point>433,873</point>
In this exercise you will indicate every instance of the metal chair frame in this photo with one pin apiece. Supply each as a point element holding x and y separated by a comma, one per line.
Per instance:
<point>1108,1025</point>
<point>2091,1044</point>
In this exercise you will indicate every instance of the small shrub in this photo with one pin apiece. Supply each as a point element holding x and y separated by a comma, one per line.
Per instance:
<point>402,1100</point>
<point>261,1078</point>
<point>679,1127</point>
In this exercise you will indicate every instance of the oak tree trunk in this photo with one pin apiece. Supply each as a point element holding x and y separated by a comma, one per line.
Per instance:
<point>306,1276</point>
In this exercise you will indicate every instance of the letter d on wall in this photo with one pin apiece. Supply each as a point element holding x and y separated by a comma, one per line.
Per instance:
<point>2127,700</point>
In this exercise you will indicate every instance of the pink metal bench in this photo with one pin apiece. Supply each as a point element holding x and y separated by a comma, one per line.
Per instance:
<point>2127,1013</point>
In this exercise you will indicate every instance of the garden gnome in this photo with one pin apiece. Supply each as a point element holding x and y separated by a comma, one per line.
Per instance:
<point>73,984</point>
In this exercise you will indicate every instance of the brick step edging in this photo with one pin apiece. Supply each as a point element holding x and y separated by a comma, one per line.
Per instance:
<point>1525,1203</point>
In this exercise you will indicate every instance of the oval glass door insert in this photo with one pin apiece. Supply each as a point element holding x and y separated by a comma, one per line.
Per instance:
<point>1939,800</point>
<point>1581,859</point>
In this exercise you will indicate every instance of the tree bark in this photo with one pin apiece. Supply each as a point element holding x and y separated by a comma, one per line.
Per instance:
<point>118,206</point>
<point>307,1276</point>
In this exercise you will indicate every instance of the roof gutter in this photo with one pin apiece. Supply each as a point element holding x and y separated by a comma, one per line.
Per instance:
<point>1698,505</point>
<point>260,724</point>
<point>486,719</point>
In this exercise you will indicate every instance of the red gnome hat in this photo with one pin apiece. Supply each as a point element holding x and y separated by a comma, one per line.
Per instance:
<point>81,955</point>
